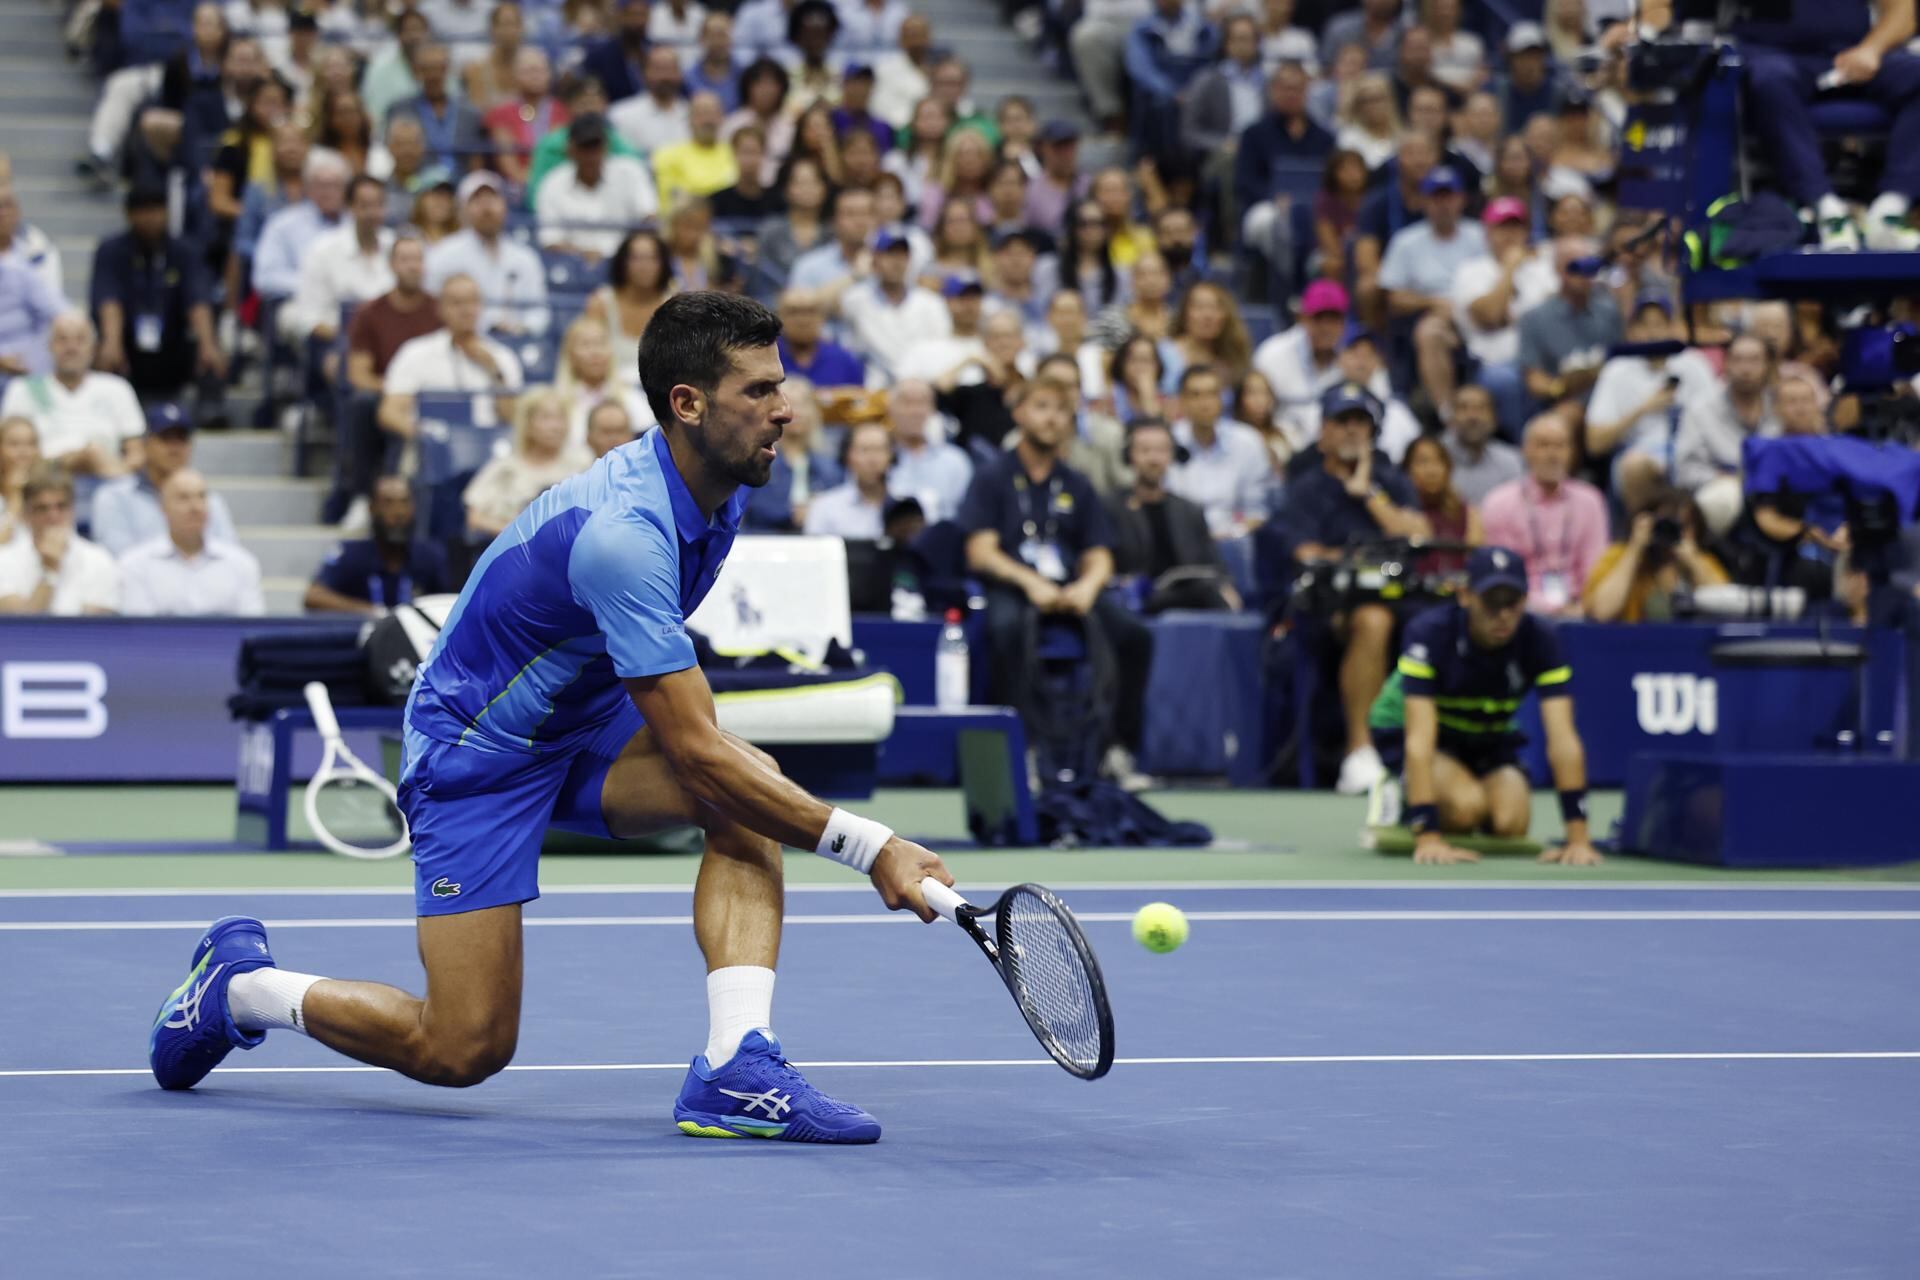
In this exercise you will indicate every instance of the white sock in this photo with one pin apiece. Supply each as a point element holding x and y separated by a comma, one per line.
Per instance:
<point>739,1000</point>
<point>269,1000</point>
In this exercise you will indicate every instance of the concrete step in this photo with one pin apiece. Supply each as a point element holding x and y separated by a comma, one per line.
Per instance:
<point>284,595</point>
<point>242,453</point>
<point>266,500</point>
<point>289,551</point>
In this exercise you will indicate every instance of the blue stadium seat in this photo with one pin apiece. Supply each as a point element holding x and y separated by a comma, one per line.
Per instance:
<point>538,357</point>
<point>1845,116</point>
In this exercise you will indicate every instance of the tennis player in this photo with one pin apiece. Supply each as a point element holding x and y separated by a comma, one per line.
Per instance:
<point>563,692</point>
<point>1464,670</point>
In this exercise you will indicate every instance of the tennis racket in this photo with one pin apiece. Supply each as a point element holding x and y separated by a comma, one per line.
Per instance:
<point>1040,953</point>
<point>353,810</point>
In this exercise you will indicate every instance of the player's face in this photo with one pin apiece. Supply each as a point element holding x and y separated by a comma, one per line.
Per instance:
<point>745,417</point>
<point>1495,615</point>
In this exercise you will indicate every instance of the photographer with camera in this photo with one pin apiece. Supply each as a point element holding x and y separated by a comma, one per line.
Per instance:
<point>1651,576</point>
<point>1633,414</point>
<point>1463,672</point>
<point>1354,496</point>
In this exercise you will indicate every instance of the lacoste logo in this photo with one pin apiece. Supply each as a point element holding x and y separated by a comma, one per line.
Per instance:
<point>442,888</point>
<point>839,842</point>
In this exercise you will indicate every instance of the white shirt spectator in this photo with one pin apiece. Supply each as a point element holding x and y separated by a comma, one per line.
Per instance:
<point>88,579</point>
<point>933,358</point>
<point>458,21</point>
<point>897,85</point>
<point>285,241</point>
<point>625,196</point>
<point>1419,260</point>
<point>646,126</point>
<point>842,513</point>
<point>1228,480</point>
<point>337,274</point>
<point>1459,61</point>
<point>866,32</point>
<point>887,332</point>
<point>511,279</point>
<point>936,475</point>
<point>664,26</point>
<point>33,250</point>
<point>161,581</point>
<point>1533,283</point>
<point>1286,361</point>
<point>126,513</point>
<point>760,28</point>
<point>1626,382</point>
<point>432,365</point>
<point>102,410</point>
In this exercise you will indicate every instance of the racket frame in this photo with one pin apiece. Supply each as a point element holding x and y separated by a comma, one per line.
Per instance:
<point>337,762</point>
<point>951,905</point>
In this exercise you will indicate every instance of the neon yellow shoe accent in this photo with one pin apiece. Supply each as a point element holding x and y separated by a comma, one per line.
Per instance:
<point>183,988</point>
<point>693,1130</point>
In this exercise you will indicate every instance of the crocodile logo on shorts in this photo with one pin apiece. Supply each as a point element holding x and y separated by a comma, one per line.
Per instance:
<point>839,842</point>
<point>442,888</point>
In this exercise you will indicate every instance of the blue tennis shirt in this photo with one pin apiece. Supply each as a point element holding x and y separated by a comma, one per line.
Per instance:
<point>592,583</point>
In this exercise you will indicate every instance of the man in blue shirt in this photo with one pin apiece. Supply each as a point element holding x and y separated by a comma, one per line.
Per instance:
<point>806,351</point>
<point>1354,496</point>
<point>563,690</point>
<point>392,567</point>
<point>150,303</point>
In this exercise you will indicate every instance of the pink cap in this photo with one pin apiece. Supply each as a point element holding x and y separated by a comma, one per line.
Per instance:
<point>1503,209</point>
<point>1323,296</point>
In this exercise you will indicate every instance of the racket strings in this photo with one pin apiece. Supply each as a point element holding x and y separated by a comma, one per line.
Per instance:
<point>358,813</point>
<point>1049,975</point>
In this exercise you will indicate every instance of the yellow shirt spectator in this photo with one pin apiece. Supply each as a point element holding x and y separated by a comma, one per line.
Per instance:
<point>693,169</point>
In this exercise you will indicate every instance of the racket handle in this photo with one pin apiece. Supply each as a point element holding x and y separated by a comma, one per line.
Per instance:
<point>941,899</point>
<point>322,708</point>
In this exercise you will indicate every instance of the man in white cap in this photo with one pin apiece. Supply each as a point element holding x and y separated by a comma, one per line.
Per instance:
<point>512,282</point>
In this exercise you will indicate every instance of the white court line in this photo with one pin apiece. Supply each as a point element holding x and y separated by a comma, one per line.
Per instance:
<point>1113,886</point>
<point>1329,1059</point>
<point>1091,917</point>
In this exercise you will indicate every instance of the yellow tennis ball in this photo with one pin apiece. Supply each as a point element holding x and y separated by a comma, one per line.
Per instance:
<point>1160,927</point>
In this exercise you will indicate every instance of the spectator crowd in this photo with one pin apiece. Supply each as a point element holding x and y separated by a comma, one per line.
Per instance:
<point>1317,275</point>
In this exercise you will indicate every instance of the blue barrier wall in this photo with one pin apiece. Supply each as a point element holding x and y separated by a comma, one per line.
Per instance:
<point>145,701</point>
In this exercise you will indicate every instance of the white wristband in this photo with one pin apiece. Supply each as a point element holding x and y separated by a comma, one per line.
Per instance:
<point>854,840</point>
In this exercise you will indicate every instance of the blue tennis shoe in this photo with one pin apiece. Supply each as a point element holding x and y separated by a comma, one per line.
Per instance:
<point>194,1030</point>
<point>759,1094</point>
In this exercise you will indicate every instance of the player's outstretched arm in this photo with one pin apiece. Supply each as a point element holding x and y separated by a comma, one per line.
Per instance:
<point>678,707</point>
<point>1430,844</point>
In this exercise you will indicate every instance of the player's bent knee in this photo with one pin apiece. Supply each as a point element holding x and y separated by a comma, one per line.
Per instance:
<point>1509,824</point>
<point>462,1061</point>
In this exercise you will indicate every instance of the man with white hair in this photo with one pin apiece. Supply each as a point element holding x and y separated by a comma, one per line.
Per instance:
<point>511,279</point>
<point>84,417</point>
<point>291,233</point>
<point>186,573</point>
<point>933,471</point>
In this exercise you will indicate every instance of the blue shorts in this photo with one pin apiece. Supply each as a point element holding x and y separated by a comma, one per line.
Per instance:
<point>478,812</point>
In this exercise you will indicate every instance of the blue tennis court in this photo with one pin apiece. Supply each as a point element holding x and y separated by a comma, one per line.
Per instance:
<point>1351,1081</point>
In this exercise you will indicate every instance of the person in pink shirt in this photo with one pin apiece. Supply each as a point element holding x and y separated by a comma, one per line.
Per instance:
<point>1556,523</point>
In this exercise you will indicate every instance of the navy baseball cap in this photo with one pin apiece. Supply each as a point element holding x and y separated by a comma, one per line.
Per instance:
<point>960,286</point>
<point>1591,265</point>
<point>1349,397</point>
<point>1060,131</point>
<point>887,241</point>
<point>1491,567</point>
<point>1441,178</point>
<point>167,417</point>
<point>1657,301</point>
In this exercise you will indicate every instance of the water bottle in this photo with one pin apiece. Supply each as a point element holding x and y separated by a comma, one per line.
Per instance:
<point>952,678</point>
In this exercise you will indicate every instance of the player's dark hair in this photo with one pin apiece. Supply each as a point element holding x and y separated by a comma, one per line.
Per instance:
<point>691,340</point>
